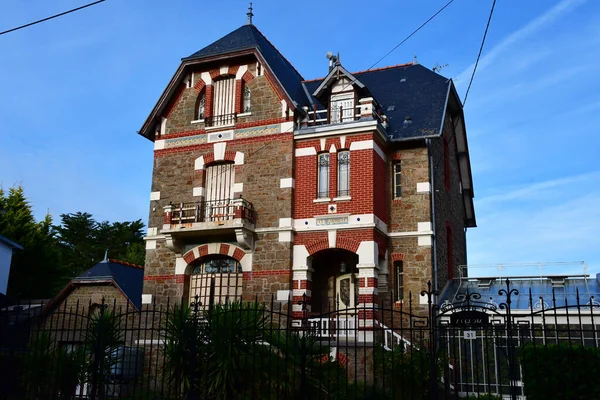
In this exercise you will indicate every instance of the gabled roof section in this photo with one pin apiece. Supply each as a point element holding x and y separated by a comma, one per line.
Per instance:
<point>406,91</point>
<point>334,75</point>
<point>249,37</point>
<point>129,278</point>
<point>10,243</point>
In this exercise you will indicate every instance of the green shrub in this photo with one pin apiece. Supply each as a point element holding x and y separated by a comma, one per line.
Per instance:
<point>567,372</point>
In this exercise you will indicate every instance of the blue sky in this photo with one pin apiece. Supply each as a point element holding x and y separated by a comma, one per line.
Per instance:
<point>74,91</point>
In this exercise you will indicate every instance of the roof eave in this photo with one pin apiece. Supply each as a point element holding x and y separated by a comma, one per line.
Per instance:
<point>330,76</point>
<point>146,129</point>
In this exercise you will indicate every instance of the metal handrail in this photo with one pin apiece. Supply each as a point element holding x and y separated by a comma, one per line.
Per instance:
<point>213,211</point>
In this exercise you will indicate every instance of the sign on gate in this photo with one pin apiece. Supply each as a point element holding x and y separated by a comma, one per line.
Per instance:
<point>470,318</point>
<point>470,335</point>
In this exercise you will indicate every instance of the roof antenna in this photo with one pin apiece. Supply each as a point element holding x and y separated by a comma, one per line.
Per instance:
<point>250,15</point>
<point>105,257</point>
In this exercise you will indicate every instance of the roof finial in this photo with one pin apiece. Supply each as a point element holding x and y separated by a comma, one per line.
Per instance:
<point>415,59</point>
<point>105,256</point>
<point>250,15</point>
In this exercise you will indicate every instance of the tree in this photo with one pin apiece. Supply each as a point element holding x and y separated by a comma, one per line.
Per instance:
<point>35,271</point>
<point>84,241</point>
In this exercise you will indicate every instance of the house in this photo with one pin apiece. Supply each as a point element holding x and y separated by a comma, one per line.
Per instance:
<point>333,193</point>
<point>6,250</point>
<point>118,284</point>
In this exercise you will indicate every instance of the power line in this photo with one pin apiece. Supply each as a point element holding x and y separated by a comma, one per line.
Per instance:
<point>480,50</point>
<point>52,17</point>
<point>409,36</point>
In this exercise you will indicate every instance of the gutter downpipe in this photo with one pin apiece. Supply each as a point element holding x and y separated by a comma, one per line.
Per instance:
<point>433,224</point>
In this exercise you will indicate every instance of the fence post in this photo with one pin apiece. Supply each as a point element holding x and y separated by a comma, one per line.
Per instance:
<point>303,391</point>
<point>512,362</point>
<point>432,307</point>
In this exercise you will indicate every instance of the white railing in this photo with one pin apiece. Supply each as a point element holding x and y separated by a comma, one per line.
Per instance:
<point>334,327</point>
<point>392,339</point>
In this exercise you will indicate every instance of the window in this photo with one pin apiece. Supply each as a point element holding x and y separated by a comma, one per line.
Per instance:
<point>247,100</point>
<point>399,280</point>
<point>323,176</point>
<point>224,102</point>
<point>216,279</point>
<point>397,179</point>
<point>344,173</point>
<point>220,179</point>
<point>342,107</point>
<point>200,104</point>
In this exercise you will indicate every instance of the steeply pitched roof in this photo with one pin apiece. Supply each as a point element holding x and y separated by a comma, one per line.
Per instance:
<point>10,243</point>
<point>128,277</point>
<point>406,91</point>
<point>249,37</point>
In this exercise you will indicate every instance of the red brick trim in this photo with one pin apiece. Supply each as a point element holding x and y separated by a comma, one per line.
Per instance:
<point>215,73</point>
<point>233,70</point>
<point>160,277</point>
<point>247,275</point>
<point>174,100</point>
<point>247,77</point>
<point>238,253</point>
<point>314,246</point>
<point>224,249</point>
<point>199,85</point>
<point>347,244</point>
<point>397,256</point>
<point>241,125</point>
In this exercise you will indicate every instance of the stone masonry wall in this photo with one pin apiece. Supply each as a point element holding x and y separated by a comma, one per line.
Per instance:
<point>449,205</point>
<point>405,214</point>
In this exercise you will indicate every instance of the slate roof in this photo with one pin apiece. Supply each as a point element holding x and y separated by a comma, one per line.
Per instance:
<point>10,243</point>
<point>407,90</point>
<point>249,37</point>
<point>539,286</point>
<point>128,277</point>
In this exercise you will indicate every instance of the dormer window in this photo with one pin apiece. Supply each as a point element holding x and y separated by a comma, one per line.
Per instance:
<point>342,107</point>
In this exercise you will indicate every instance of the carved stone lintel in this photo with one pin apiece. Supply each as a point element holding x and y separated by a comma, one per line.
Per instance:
<point>245,238</point>
<point>173,244</point>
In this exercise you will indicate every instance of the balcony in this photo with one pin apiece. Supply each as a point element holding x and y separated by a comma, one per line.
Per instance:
<point>220,120</point>
<point>342,113</point>
<point>205,218</point>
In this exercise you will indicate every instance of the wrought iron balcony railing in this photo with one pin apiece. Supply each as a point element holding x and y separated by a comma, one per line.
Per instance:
<point>210,211</point>
<point>220,120</point>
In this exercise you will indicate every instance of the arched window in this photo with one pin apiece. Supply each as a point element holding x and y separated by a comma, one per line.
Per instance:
<point>323,176</point>
<point>217,264</point>
<point>200,105</point>
<point>247,105</point>
<point>220,180</point>
<point>215,279</point>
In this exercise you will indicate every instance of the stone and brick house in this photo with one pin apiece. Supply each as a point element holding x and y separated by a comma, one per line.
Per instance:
<point>350,189</point>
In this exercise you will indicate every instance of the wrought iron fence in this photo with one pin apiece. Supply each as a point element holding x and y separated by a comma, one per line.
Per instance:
<point>220,120</point>
<point>235,350</point>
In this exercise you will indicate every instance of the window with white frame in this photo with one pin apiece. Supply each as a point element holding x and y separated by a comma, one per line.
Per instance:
<point>323,176</point>
<point>343,173</point>
<point>398,280</point>
<point>342,107</point>
<point>397,179</point>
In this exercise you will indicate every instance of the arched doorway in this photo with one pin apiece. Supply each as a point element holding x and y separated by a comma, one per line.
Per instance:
<point>334,281</point>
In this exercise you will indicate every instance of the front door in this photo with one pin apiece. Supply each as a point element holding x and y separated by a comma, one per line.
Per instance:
<point>346,292</point>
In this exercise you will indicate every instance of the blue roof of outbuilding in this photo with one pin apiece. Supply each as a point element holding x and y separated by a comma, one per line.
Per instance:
<point>530,291</point>
<point>129,277</point>
<point>10,243</point>
<point>249,37</point>
<point>408,90</point>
